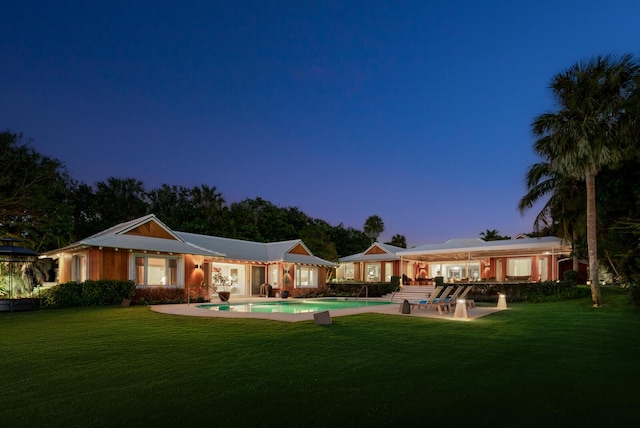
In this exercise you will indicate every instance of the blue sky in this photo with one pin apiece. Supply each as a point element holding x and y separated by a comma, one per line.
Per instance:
<point>416,111</point>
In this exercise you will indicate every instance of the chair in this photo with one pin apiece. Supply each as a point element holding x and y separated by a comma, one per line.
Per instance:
<point>441,303</point>
<point>455,294</point>
<point>470,303</point>
<point>418,303</point>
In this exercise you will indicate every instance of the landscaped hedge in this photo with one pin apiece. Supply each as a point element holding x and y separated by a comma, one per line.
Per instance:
<point>376,289</point>
<point>103,292</point>
<point>535,292</point>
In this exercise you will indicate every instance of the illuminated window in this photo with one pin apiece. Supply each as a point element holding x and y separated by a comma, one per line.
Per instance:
<point>274,273</point>
<point>306,277</point>
<point>349,271</point>
<point>79,268</point>
<point>156,270</point>
<point>388,271</point>
<point>373,272</point>
<point>519,267</point>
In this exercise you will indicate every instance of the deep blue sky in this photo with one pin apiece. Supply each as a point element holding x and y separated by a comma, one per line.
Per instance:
<point>417,111</point>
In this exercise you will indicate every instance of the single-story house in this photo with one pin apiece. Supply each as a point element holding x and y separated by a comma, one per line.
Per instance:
<point>148,252</point>
<point>518,259</point>
<point>378,263</point>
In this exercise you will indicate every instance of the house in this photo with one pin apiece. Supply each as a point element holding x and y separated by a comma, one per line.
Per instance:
<point>378,263</point>
<point>148,252</point>
<point>518,259</point>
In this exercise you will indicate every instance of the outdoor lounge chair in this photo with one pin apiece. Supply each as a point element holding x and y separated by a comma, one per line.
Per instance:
<point>418,303</point>
<point>455,294</point>
<point>470,302</point>
<point>441,303</point>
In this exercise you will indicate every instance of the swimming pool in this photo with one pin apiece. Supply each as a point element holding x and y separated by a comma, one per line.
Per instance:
<point>293,306</point>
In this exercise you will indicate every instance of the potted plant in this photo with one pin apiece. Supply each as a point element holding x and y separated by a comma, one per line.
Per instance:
<point>221,286</point>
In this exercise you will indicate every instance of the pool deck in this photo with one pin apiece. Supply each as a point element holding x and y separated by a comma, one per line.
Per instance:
<point>391,309</point>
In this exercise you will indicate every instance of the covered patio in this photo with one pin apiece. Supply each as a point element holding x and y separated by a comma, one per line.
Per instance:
<point>470,260</point>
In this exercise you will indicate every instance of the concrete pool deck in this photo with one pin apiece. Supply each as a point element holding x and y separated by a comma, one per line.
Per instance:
<point>391,309</point>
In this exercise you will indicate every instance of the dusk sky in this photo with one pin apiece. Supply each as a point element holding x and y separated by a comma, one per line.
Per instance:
<point>416,111</point>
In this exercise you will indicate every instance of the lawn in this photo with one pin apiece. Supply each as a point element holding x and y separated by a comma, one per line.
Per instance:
<point>554,364</point>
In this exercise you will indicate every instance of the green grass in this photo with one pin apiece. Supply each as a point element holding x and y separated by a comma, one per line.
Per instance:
<point>556,364</point>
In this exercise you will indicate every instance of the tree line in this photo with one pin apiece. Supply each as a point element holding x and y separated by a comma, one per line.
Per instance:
<point>42,205</point>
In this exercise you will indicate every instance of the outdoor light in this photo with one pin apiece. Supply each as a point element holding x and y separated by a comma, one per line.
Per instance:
<point>461,310</point>
<point>197,266</point>
<point>502,301</point>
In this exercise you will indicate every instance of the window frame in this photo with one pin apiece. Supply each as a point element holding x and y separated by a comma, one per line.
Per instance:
<point>179,269</point>
<point>312,276</point>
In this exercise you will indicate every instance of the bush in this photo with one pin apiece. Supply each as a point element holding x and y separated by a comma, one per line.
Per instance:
<point>375,289</point>
<point>89,293</point>
<point>570,278</point>
<point>162,295</point>
<point>634,292</point>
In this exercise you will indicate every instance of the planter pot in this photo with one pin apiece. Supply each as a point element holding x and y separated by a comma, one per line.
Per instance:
<point>284,294</point>
<point>224,296</point>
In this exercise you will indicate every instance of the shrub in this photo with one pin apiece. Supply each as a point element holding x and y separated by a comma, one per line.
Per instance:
<point>89,293</point>
<point>161,295</point>
<point>570,278</point>
<point>634,292</point>
<point>375,289</point>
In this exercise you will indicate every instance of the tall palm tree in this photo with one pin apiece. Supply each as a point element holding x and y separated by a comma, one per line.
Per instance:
<point>589,131</point>
<point>373,227</point>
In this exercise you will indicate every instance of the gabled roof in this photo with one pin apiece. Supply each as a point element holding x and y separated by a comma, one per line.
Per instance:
<point>376,252</point>
<point>293,251</point>
<point>150,234</point>
<point>143,234</point>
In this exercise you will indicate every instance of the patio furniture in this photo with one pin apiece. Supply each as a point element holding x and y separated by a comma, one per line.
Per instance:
<point>470,303</point>
<point>441,303</point>
<point>416,304</point>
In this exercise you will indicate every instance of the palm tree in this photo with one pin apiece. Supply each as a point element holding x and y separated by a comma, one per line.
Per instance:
<point>562,213</point>
<point>398,240</point>
<point>492,235</point>
<point>589,131</point>
<point>373,227</point>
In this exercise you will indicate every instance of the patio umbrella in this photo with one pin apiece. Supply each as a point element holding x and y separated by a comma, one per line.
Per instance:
<point>13,254</point>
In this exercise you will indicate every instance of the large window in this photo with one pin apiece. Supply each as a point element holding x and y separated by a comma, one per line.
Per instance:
<point>79,268</point>
<point>373,272</point>
<point>388,271</point>
<point>519,267</point>
<point>306,277</point>
<point>274,274</point>
<point>349,271</point>
<point>156,270</point>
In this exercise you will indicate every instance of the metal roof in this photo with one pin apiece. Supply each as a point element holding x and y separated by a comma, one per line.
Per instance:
<point>237,249</point>
<point>457,249</point>
<point>390,253</point>
<point>192,243</point>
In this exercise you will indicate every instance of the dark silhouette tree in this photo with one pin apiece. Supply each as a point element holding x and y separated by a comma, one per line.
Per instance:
<point>373,227</point>
<point>591,129</point>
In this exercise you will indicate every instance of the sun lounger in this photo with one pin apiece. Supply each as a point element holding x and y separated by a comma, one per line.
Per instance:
<point>441,303</point>
<point>469,302</point>
<point>418,303</point>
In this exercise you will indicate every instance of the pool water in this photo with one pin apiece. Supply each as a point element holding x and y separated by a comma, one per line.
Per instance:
<point>293,306</point>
